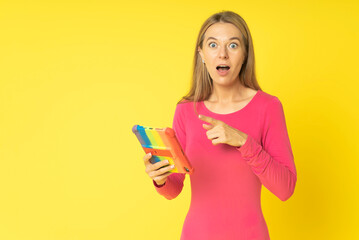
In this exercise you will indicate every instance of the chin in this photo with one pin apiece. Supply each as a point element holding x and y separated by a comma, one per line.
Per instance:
<point>224,81</point>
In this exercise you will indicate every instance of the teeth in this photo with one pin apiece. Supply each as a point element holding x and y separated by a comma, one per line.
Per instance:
<point>222,66</point>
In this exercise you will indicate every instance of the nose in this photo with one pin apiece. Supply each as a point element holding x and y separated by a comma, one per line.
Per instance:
<point>223,53</point>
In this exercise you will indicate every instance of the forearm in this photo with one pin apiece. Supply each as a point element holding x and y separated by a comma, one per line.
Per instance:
<point>172,187</point>
<point>273,173</point>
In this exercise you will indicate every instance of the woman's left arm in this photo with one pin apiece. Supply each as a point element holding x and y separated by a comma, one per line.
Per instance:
<point>273,162</point>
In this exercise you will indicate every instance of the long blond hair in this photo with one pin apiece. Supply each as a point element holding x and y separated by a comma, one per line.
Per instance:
<point>202,85</point>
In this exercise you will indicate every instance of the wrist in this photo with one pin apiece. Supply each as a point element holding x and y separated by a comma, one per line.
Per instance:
<point>243,140</point>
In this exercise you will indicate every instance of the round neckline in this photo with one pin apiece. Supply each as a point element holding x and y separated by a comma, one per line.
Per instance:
<point>240,110</point>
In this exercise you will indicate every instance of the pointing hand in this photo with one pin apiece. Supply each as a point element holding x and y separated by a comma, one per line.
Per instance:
<point>220,132</point>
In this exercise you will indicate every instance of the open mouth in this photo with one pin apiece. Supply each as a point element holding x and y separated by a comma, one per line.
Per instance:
<point>223,68</point>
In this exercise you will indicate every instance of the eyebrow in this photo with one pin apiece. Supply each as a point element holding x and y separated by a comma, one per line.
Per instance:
<point>229,39</point>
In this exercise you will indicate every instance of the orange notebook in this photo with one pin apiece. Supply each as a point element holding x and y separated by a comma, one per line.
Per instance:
<point>164,145</point>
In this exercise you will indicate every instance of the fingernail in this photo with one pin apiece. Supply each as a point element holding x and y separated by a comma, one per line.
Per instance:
<point>149,154</point>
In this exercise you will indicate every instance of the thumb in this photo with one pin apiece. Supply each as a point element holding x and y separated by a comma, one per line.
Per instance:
<point>207,126</point>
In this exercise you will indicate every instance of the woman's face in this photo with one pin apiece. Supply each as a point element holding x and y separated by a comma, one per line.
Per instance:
<point>221,46</point>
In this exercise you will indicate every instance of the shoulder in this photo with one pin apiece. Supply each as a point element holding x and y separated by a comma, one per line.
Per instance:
<point>183,107</point>
<point>186,109</point>
<point>183,104</point>
<point>272,108</point>
<point>268,105</point>
<point>267,100</point>
<point>266,97</point>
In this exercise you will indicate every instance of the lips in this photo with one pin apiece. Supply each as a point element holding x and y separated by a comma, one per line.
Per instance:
<point>222,70</point>
<point>223,67</point>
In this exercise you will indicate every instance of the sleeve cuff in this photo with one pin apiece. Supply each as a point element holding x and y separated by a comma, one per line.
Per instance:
<point>159,186</point>
<point>249,149</point>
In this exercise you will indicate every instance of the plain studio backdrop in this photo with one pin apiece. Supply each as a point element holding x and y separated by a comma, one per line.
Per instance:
<point>75,76</point>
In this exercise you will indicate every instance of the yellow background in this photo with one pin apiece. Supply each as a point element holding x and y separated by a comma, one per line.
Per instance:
<point>75,76</point>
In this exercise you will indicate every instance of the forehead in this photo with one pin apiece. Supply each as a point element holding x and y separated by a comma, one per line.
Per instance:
<point>222,31</point>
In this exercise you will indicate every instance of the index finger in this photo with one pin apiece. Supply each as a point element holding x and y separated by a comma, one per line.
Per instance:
<point>208,119</point>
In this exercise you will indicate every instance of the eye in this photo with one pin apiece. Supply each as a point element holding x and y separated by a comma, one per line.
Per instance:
<point>233,44</point>
<point>211,44</point>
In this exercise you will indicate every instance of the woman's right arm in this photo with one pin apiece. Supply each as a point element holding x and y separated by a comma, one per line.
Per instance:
<point>170,184</point>
<point>167,184</point>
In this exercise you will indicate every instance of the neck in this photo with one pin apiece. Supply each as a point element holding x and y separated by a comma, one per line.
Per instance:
<point>227,94</point>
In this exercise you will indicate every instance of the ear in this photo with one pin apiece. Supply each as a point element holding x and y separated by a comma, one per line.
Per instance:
<point>200,53</point>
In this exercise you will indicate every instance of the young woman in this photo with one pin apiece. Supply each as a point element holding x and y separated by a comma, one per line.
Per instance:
<point>233,133</point>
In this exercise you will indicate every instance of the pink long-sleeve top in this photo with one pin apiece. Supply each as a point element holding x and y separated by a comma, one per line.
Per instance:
<point>227,180</point>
